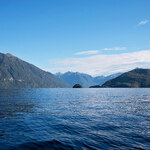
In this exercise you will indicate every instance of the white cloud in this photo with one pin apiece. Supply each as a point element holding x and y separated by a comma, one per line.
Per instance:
<point>102,64</point>
<point>115,48</point>
<point>143,22</point>
<point>87,52</point>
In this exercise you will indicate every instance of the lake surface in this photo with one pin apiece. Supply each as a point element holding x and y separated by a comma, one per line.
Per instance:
<point>74,119</point>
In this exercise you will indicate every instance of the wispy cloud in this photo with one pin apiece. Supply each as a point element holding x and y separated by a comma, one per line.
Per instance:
<point>102,64</point>
<point>87,52</point>
<point>143,22</point>
<point>115,48</point>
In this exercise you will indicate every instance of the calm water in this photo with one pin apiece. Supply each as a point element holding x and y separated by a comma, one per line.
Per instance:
<point>74,119</point>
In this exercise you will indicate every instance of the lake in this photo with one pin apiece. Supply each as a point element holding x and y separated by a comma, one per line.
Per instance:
<point>80,119</point>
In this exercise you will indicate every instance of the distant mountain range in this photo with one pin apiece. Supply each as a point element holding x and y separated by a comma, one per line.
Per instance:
<point>85,80</point>
<point>134,78</point>
<point>16,73</point>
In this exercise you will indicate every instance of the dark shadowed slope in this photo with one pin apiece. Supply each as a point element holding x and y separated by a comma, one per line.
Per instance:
<point>135,78</point>
<point>16,73</point>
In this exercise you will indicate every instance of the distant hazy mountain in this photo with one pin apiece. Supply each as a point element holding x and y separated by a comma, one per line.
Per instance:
<point>135,78</point>
<point>16,73</point>
<point>85,80</point>
<point>102,79</point>
<point>73,78</point>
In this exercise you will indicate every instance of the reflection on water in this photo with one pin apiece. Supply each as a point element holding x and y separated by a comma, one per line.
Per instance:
<point>75,119</point>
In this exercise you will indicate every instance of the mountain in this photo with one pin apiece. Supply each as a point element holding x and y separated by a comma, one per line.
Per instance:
<point>16,73</point>
<point>73,78</point>
<point>83,79</point>
<point>134,78</point>
<point>102,79</point>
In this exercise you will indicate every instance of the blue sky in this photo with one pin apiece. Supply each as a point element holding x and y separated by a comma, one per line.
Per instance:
<point>58,35</point>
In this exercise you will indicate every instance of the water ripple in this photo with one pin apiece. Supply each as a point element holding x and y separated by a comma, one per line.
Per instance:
<point>78,119</point>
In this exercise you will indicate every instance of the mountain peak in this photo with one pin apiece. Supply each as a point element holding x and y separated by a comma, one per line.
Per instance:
<point>16,73</point>
<point>134,78</point>
<point>10,55</point>
<point>83,79</point>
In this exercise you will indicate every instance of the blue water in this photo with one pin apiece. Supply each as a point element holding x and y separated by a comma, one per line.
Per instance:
<point>43,119</point>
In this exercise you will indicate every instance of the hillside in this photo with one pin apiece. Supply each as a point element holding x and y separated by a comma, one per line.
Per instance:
<point>83,79</point>
<point>135,78</point>
<point>16,73</point>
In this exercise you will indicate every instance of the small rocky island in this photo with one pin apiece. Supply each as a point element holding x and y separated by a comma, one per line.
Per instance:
<point>77,86</point>
<point>95,86</point>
